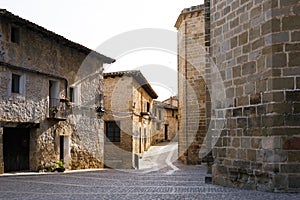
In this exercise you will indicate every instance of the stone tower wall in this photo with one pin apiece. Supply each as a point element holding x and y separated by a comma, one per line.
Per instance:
<point>191,85</point>
<point>255,46</point>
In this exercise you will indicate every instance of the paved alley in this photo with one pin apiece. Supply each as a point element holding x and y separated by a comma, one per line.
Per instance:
<point>173,181</point>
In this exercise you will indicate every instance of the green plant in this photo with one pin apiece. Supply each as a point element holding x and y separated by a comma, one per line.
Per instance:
<point>53,110</point>
<point>60,164</point>
<point>49,167</point>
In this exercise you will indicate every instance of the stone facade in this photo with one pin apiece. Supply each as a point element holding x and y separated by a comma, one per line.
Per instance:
<point>255,46</point>
<point>37,70</point>
<point>253,88</point>
<point>191,83</point>
<point>165,124</point>
<point>128,100</point>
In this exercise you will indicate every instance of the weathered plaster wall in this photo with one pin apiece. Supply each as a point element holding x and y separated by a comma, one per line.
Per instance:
<point>59,63</point>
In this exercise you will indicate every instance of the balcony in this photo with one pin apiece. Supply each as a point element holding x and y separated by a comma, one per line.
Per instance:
<point>59,109</point>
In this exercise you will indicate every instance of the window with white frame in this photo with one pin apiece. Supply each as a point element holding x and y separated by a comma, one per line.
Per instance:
<point>74,94</point>
<point>16,84</point>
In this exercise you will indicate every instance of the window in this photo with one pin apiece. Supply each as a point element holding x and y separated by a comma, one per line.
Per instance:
<point>158,126</point>
<point>53,94</point>
<point>159,115</point>
<point>15,35</point>
<point>72,95</point>
<point>15,83</point>
<point>112,131</point>
<point>148,107</point>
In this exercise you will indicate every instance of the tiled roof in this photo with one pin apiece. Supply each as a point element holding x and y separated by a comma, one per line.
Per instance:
<point>165,105</point>
<point>138,76</point>
<point>172,97</point>
<point>49,34</point>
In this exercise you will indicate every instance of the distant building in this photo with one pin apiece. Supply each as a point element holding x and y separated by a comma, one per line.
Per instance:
<point>128,103</point>
<point>165,123</point>
<point>46,114</point>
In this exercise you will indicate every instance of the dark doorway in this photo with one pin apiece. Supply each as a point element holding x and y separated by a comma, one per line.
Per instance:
<point>166,131</point>
<point>61,148</point>
<point>16,149</point>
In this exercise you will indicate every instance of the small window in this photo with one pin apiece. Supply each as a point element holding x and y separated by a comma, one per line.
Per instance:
<point>159,115</point>
<point>15,34</point>
<point>72,95</point>
<point>173,113</point>
<point>148,107</point>
<point>15,83</point>
<point>112,131</point>
<point>158,126</point>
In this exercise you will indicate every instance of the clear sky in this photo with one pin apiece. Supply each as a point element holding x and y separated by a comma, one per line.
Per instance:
<point>92,22</point>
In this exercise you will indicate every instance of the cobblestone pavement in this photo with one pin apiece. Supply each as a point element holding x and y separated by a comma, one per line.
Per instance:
<point>160,156</point>
<point>174,181</point>
<point>185,183</point>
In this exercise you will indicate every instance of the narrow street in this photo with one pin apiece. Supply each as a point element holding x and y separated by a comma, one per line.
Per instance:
<point>161,179</point>
<point>160,156</point>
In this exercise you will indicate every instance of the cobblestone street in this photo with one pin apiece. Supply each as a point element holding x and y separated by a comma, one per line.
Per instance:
<point>186,182</point>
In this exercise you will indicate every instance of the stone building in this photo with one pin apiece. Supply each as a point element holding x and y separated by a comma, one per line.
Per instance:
<point>191,83</point>
<point>173,101</point>
<point>128,103</point>
<point>255,46</point>
<point>49,89</point>
<point>165,123</point>
<point>255,69</point>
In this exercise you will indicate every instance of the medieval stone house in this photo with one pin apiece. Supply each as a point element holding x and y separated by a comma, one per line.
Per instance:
<point>50,88</point>
<point>254,67</point>
<point>165,123</point>
<point>128,104</point>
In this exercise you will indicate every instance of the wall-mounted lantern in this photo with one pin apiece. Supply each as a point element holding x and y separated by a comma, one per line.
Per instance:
<point>100,111</point>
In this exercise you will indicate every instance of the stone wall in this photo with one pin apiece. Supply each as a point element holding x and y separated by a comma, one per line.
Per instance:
<point>172,122</point>
<point>169,118</point>
<point>41,56</point>
<point>191,83</point>
<point>125,100</point>
<point>117,100</point>
<point>255,46</point>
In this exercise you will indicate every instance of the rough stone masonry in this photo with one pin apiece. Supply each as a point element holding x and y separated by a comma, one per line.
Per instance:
<point>255,46</point>
<point>191,83</point>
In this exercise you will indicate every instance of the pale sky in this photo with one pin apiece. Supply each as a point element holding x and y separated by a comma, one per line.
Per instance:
<point>92,22</point>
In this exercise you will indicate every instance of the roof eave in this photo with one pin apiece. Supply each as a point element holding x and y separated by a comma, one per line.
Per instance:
<point>60,39</point>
